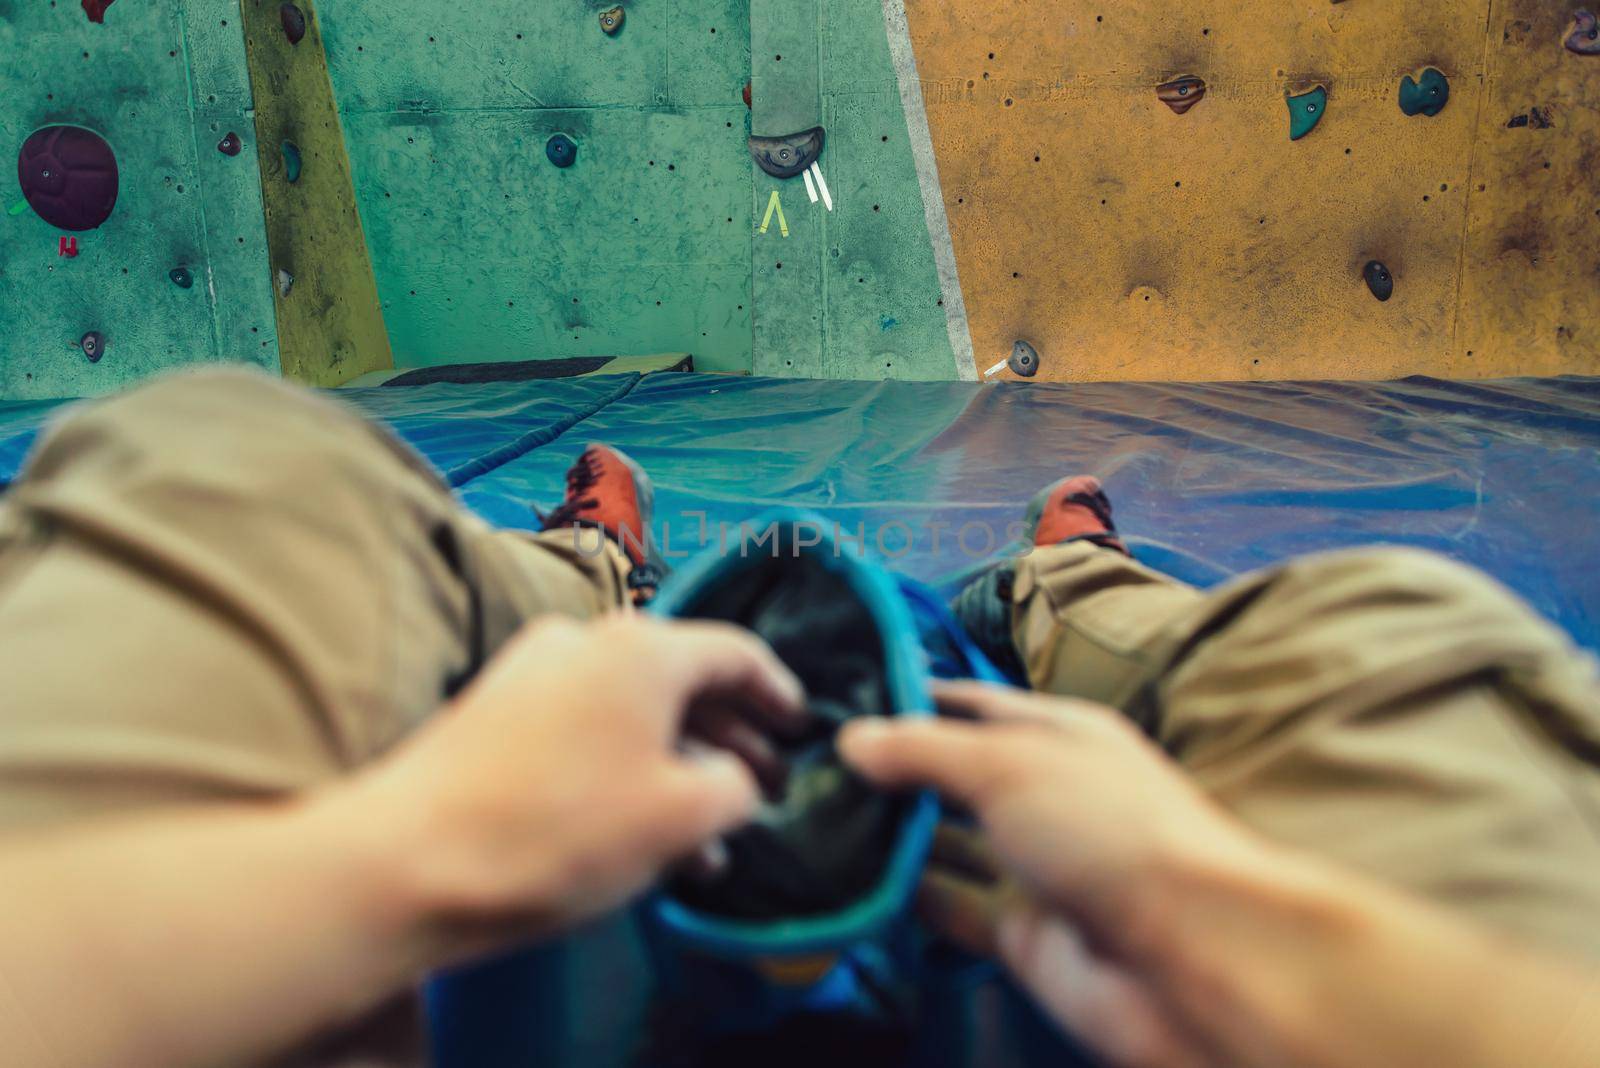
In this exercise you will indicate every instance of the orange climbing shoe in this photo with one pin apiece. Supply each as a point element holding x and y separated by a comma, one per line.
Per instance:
<point>607,491</point>
<point>1074,509</point>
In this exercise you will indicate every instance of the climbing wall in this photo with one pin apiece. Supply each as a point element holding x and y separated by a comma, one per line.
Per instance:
<point>177,273</point>
<point>852,292</point>
<point>330,327</point>
<point>483,247</point>
<point>1127,240</point>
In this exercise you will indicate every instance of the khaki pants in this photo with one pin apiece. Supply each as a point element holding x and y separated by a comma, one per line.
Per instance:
<point>221,587</point>
<point>1387,708</point>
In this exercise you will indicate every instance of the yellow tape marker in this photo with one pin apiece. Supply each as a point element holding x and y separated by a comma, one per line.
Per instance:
<point>775,205</point>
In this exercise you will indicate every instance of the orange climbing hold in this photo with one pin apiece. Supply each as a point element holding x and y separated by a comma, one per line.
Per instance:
<point>1584,38</point>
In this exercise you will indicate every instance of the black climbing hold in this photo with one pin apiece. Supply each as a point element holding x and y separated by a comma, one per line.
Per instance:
<point>611,21</point>
<point>1181,94</point>
<point>561,150</point>
<point>294,23</point>
<point>785,157</point>
<point>1585,36</point>
<point>96,9</point>
<point>1024,359</point>
<point>291,161</point>
<point>69,176</point>
<point>1305,111</point>
<point>93,345</point>
<point>1379,280</point>
<point>181,277</point>
<point>285,282</point>
<point>1427,94</point>
<point>230,145</point>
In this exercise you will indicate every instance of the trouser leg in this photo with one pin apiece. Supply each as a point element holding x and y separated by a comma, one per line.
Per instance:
<point>220,586</point>
<point>1387,708</point>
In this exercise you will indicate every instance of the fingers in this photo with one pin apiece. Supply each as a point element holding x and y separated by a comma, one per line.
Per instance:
<point>960,760</point>
<point>716,661</point>
<point>700,799</point>
<point>990,703</point>
<point>724,728</point>
<point>1092,998</point>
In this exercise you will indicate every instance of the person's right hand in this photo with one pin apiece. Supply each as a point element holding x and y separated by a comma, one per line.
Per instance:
<point>1087,817</point>
<point>582,762</point>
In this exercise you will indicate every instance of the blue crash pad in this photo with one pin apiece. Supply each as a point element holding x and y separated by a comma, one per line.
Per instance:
<point>1208,480</point>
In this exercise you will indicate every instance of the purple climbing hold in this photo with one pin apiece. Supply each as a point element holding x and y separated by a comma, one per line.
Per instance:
<point>69,176</point>
<point>96,9</point>
<point>1024,360</point>
<point>294,23</point>
<point>93,345</point>
<point>1585,36</point>
<point>230,145</point>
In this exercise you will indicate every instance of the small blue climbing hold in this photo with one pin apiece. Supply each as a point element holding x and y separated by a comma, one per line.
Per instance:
<point>1305,111</point>
<point>561,150</point>
<point>1426,94</point>
<point>291,161</point>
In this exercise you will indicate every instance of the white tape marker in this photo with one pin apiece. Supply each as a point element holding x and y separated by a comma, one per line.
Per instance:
<point>996,369</point>
<point>822,184</point>
<point>811,190</point>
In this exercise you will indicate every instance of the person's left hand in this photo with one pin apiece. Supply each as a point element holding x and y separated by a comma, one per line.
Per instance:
<point>567,777</point>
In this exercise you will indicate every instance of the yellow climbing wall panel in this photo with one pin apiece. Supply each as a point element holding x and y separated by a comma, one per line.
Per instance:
<point>330,323</point>
<point>1129,242</point>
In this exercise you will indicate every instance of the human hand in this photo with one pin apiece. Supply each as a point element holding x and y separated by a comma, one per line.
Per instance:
<point>564,780</point>
<point>1085,819</point>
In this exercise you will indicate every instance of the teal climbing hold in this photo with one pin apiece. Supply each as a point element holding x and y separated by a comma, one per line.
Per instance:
<point>1305,111</point>
<point>291,161</point>
<point>1426,94</point>
<point>181,277</point>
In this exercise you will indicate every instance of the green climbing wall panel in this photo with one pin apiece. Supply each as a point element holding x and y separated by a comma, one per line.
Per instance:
<point>162,82</point>
<point>482,249</point>
<point>858,295</point>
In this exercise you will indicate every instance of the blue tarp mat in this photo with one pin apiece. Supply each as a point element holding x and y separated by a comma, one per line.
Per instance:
<point>1208,480</point>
